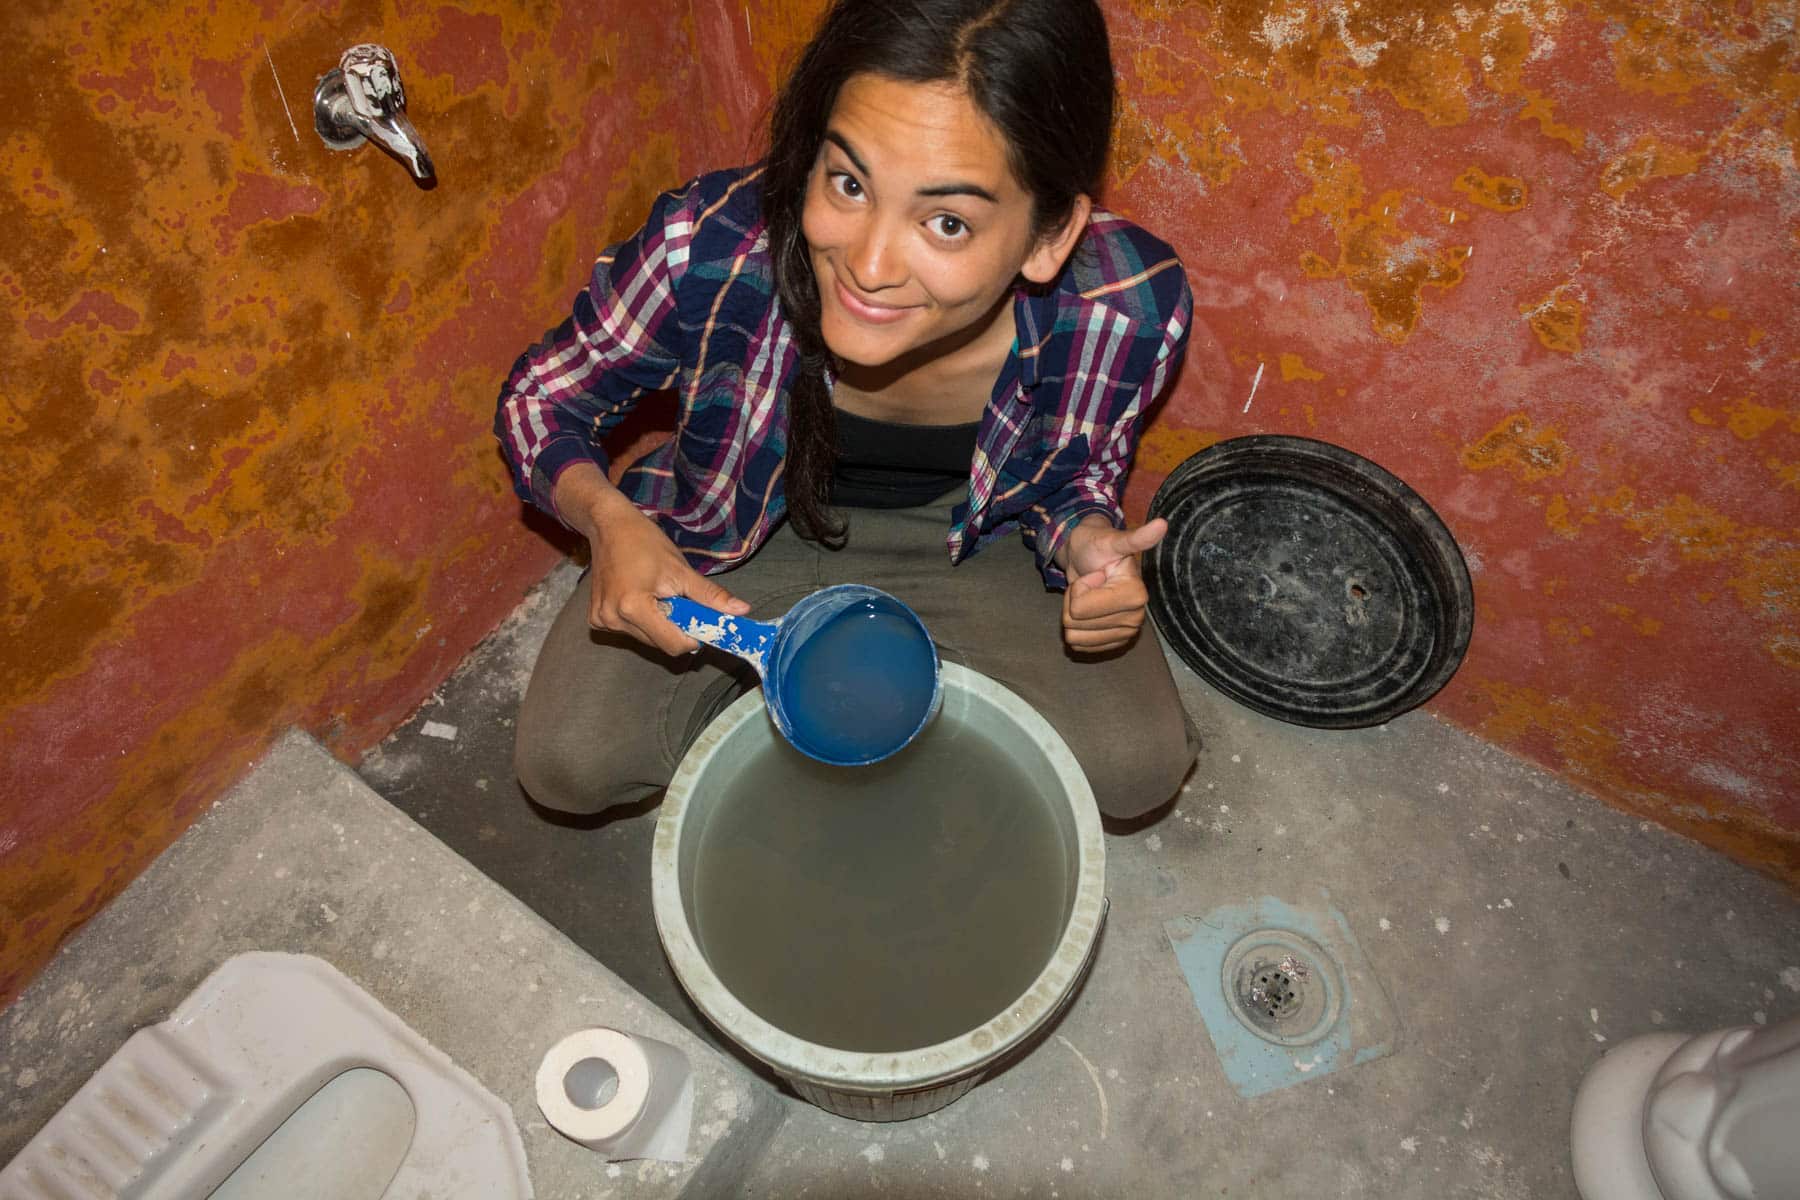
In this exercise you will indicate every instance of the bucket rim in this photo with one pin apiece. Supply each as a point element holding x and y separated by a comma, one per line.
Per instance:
<point>885,1071</point>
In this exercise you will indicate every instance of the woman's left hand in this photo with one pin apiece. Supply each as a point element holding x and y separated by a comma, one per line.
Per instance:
<point>1103,606</point>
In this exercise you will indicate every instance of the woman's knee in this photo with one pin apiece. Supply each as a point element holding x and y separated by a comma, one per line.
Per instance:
<point>574,774</point>
<point>1133,775</point>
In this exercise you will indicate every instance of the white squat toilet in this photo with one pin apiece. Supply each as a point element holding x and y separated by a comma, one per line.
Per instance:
<point>277,1077</point>
<point>1666,1116</point>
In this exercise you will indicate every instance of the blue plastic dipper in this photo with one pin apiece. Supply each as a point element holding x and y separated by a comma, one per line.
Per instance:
<point>849,673</point>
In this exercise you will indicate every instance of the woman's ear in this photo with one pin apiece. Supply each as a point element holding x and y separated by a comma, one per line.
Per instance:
<point>1052,251</point>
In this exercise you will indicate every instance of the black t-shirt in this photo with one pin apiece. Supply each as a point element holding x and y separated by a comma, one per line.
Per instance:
<point>881,464</point>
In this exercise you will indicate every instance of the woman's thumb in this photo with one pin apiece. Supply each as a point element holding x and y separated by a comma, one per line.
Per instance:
<point>1146,535</point>
<point>707,592</point>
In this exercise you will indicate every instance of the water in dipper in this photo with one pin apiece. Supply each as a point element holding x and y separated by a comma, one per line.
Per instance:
<point>859,686</point>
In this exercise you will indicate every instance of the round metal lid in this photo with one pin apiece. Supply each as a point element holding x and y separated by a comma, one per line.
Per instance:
<point>1307,583</point>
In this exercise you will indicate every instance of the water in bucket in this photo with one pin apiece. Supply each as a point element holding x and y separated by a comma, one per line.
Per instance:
<point>886,907</point>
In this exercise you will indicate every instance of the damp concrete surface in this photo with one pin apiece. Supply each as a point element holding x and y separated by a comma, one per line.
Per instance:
<point>1516,927</point>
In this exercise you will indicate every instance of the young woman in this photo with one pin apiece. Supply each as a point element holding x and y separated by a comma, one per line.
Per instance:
<point>909,352</point>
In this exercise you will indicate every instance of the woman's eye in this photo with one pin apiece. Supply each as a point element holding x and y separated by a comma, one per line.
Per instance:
<point>949,227</point>
<point>848,185</point>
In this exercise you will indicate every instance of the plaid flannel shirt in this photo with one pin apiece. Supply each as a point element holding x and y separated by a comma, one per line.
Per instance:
<point>688,305</point>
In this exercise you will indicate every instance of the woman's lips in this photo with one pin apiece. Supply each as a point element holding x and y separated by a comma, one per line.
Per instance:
<point>862,310</point>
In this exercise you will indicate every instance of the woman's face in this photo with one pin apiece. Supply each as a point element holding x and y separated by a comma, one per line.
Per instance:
<point>914,221</point>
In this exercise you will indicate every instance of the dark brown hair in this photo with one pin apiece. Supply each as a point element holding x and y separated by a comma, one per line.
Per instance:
<point>1040,70</point>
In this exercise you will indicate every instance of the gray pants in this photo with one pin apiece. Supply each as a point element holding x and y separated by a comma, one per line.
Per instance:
<point>606,719</point>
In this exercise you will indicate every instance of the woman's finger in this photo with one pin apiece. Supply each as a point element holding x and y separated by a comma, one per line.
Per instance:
<point>1102,606</point>
<point>649,625</point>
<point>1147,535</point>
<point>713,594</point>
<point>1098,628</point>
<point>1121,596</point>
<point>1091,642</point>
<point>1101,633</point>
<point>1128,617</point>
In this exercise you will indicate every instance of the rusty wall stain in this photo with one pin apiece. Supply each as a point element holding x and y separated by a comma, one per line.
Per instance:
<point>1203,143</point>
<point>1749,420</point>
<point>1651,158</point>
<point>1388,263</point>
<point>1696,530</point>
<point>777,31</point>
<point>1497,192</point>
<point>1763,562</point>
<point>1578,731</point>
<point>1556,319</point>
<point>1769,581</point>
<point>1784,648</point>
<point>1576,736</point>
<point>1166,446</point>
<point>1293,367</point>
<point>649,170</point>
<point>1528,453</point>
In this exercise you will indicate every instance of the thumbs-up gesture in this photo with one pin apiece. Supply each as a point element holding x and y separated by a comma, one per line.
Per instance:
<point>1103,607</point>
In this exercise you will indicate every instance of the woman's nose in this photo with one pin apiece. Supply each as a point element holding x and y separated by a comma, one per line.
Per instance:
<point>874,256</point>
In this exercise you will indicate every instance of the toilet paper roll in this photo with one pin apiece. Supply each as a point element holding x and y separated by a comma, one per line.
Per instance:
<point>645,1116</point>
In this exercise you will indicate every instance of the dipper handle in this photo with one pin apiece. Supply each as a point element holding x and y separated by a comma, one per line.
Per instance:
<point>749,640</point>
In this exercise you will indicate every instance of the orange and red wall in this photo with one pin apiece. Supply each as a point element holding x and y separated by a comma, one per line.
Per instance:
<point>1537,259</point>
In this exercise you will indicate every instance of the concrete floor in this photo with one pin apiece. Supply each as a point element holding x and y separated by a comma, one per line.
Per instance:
<point>1518,927</point>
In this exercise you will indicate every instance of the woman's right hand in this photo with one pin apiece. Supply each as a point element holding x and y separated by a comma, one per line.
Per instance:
<point>634,563</point>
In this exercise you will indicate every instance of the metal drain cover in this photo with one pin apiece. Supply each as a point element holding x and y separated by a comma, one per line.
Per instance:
<point>1284,991</point>
<point>1282,986</point>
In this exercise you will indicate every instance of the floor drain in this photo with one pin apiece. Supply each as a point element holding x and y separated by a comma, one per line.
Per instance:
<point>1270,993</point>
<point>1286,993</point>
<point>1282,987</point>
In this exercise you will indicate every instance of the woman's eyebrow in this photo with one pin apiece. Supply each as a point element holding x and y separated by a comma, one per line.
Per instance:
<point>843,143</point>
<point>959,189</point>
<point>937,189</point>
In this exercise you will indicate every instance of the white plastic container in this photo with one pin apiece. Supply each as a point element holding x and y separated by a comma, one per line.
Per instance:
<point>885,1086</point>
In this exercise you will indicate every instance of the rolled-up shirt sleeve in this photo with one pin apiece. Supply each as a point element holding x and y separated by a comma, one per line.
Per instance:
<point>1096,488</point>
<point>622,340</point>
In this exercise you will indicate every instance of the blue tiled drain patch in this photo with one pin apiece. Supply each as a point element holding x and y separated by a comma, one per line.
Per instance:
<point>1284,990</point>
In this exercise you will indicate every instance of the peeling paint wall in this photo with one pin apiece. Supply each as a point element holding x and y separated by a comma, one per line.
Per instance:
<point>1539,260</point>
<point>248,382</point>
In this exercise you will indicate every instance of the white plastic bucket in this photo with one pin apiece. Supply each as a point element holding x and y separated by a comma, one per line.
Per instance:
<point>885,1086</point>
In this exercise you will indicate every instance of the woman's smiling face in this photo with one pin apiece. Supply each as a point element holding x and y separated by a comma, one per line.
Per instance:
<point>914,221</point>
